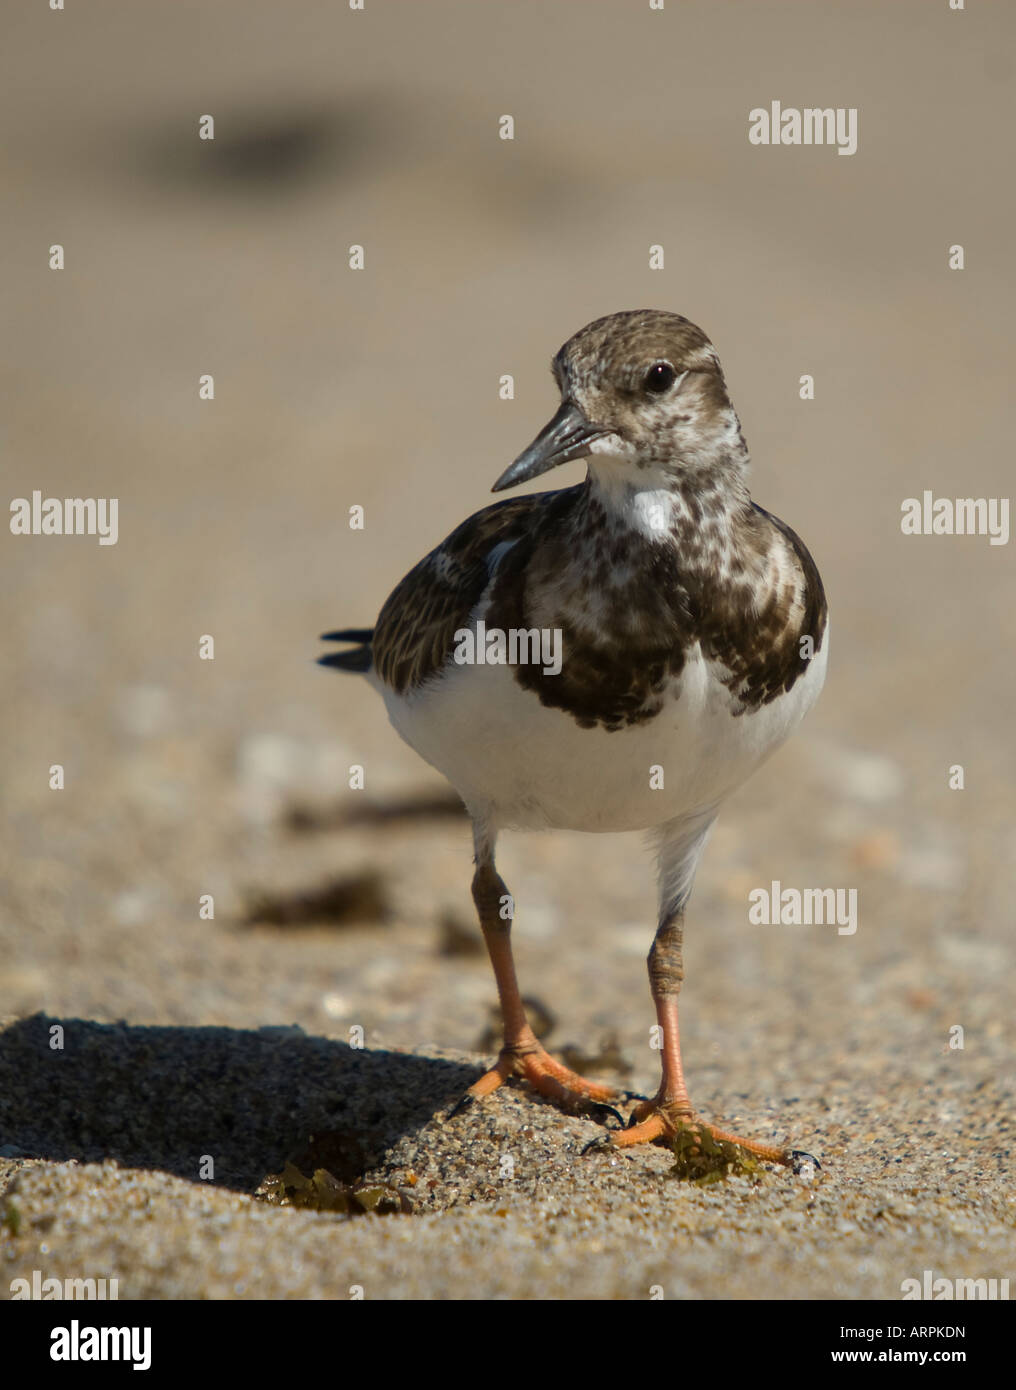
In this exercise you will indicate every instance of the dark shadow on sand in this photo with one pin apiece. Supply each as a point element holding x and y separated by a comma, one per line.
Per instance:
<point>163,1097</point>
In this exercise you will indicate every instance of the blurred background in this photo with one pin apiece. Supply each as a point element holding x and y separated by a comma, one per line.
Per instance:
<point>379,387</point>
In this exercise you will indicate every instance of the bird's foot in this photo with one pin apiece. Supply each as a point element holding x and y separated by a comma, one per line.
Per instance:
<point>544,1074</point>
<point>676,1124</point>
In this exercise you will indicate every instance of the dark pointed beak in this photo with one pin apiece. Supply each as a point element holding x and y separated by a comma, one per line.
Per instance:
<point>567,437</point>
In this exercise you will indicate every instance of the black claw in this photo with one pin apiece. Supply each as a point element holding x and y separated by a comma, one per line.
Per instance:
<point>633,1095</point>
<point>599,1144</point>
<point>599,1108</point>
<point>798,1158</point>
<point>632,1122</point>
<point>463,1103</point>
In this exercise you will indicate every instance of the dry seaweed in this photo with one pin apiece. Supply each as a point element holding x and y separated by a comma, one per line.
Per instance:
<point>317,1179</point>
<point>358,898</point>
<point>701,1158</point>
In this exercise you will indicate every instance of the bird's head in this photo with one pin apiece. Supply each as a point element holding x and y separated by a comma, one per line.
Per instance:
<point>643,396</point>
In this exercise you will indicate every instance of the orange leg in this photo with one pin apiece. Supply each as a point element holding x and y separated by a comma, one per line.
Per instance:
<point>671,1109</point>
<point>522,1054</point>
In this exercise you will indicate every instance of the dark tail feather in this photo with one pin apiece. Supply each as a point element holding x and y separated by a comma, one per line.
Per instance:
<point>358,659</point>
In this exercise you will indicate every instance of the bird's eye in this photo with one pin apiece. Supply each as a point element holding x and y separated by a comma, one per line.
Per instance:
<point>659,378</point>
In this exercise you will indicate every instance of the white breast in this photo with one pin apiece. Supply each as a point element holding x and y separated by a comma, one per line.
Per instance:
<point>524,764</point>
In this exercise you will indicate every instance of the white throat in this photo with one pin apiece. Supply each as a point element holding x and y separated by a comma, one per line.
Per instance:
<point>646,501</point>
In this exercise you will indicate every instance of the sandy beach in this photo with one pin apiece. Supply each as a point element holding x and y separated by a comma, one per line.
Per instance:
<point>219,963</point>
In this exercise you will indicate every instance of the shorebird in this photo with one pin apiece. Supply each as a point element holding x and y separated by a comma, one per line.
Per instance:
<point>691,638</point>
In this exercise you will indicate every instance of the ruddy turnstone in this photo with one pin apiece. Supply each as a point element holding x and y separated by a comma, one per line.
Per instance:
<point>693,639</point>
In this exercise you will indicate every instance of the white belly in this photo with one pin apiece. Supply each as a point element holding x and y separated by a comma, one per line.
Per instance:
<point>526,765</point>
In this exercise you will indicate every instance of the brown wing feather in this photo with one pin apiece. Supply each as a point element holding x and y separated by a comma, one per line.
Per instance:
<point>415,631</point>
